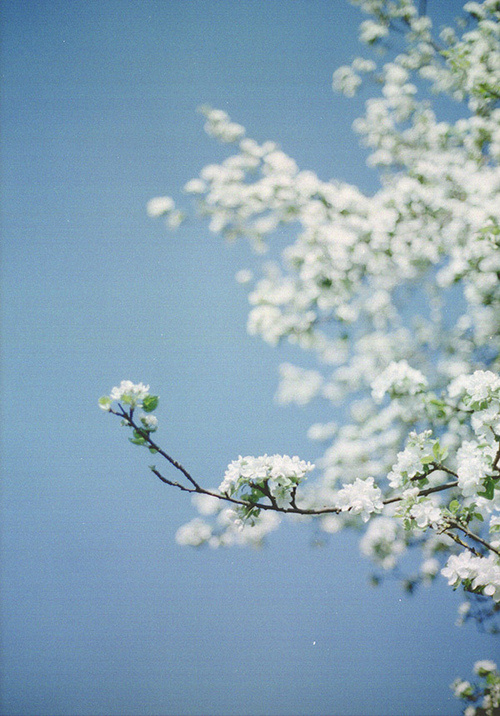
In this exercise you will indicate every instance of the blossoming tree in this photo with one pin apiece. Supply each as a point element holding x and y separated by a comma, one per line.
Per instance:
<point>397,296</point>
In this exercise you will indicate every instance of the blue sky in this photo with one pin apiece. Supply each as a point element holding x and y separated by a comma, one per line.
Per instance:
<point>102,613</point>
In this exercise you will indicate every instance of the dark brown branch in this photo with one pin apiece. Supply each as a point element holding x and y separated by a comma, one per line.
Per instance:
<point>263,487</point>
<point>434,467</point>
<point>427,491</point>
<point>146,435</point>
<point>497,460</point>
<point>471,535</point>
<point>457,539</point>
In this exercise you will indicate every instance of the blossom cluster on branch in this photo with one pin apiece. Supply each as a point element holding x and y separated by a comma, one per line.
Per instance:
<point>397,297</point>
<point>485,694</point>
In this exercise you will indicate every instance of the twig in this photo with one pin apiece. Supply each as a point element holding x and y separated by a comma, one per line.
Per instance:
<point>293,509</point>
<point>471,535</point>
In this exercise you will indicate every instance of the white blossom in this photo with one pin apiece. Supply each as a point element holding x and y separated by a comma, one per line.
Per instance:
<point>484,667</point>
<point>398,378</point>
<point>159,206</point>
<point>429,568</point>
<point>130,393</point>
<point>425,513</point>
<point>475,388</point>
<point>482,572</point>
<point>244,276</point>
<point>297,385</point>
<point>195,186</point>
<point>194,533</point>
<point>362,497</point>
<point>279,473</point>
<point>150,422</point>
<point>383,541</point>
<point>473,466</point>
<point>371,31</point>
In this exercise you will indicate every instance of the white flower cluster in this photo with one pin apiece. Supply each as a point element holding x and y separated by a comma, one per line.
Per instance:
<point>479,392</point>
<point>220,127</point>
<point>134,395</point>
<point>149,422</point>
<point>474,465</point>
<point>128,393</point>
<point>398,379</point>
<point>165,206</point>
<point>372,31</point>
<point>420,512</point>
<point>486,693</point>
<point>159,206</point>
<point>383,542</point>
<point>362,497</point>
<point>298,385</point>
<point>413,460</point>
<point>322,431</point>
<point>272,476</point>
<point>482,573</point>
<point>347,81</point>
<point>483,667</point>
<point>228,530</point>
<point>395,294</point>
<point>474,390</point>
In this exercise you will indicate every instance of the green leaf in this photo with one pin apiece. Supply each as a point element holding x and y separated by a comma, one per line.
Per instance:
<point>153,450</point>
<point>489,489</point>
<point>137,441</point>
<point>454,506</point>
<point>149,403</point>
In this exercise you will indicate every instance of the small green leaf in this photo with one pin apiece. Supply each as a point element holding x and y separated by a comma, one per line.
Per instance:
<point>489,489</point>
<point>149,403</point>
<point>454,506</point>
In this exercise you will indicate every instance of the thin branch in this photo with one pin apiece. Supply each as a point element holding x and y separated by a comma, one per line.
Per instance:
<point>473,536</point>
<point>427,491</point>
<point>146,435</point>
<point>170,482</point>
<point>457,539</point>
<point>434,467</point>
<point>294,509</point>
<point>497,459</point>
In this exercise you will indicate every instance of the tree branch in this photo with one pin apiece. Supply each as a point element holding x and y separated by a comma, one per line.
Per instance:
<point>471,535</point>
<point>293,509</point>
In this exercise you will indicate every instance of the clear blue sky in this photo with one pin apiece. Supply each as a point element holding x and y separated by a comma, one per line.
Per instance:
<point>102,613</point>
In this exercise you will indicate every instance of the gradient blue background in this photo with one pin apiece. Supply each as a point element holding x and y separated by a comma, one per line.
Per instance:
<point>102,613</point>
